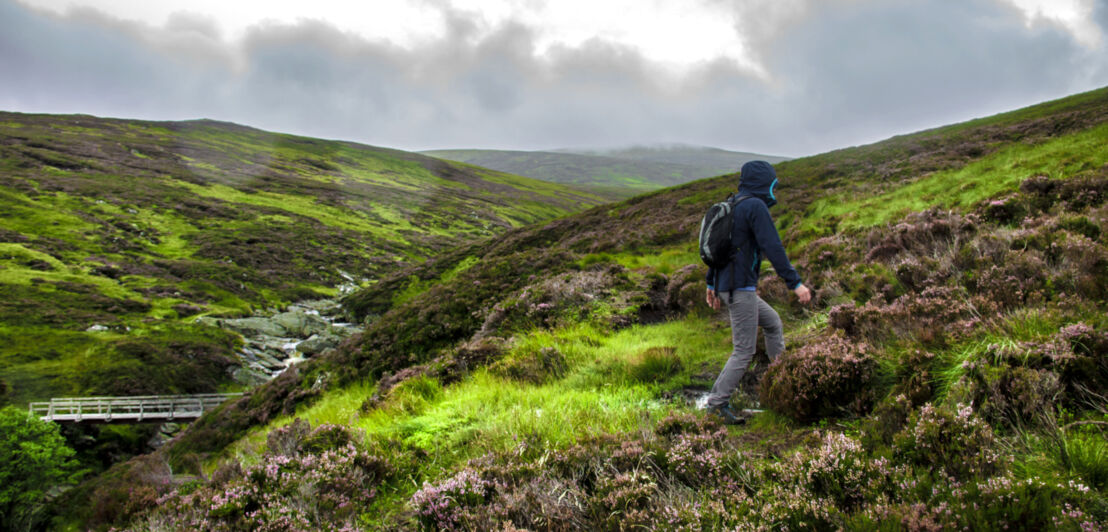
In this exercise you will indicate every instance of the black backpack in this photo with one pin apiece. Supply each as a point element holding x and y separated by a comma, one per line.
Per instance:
<point>715,232</point>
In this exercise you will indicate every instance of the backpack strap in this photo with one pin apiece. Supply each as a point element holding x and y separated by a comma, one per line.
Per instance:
<point>731,293</point>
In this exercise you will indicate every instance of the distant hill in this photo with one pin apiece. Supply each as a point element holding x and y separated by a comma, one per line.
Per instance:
<point>114,234</point>
<point>615,173</point>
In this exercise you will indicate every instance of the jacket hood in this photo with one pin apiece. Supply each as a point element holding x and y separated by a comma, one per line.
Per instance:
<point>758,178</point>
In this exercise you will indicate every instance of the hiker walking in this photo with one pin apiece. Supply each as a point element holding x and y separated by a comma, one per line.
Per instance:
<point>734,284</point>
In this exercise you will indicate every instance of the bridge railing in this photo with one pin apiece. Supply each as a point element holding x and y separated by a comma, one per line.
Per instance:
<point>133,408</point>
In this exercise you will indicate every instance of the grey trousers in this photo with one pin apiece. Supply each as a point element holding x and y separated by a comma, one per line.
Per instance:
<point>748,312</point>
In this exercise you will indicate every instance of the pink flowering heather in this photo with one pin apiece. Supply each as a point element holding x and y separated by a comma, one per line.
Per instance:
<point>321,490</point>
<point>955,440</point>
<point>826,378</point>
<point>440,506</point>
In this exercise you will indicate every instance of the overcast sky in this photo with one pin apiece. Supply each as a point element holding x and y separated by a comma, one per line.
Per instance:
<point>782,77</point>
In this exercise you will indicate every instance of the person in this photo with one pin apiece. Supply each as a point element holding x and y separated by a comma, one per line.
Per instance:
<point>753,237</point>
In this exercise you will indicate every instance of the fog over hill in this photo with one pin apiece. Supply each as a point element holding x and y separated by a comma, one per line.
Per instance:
<point>615,172</point>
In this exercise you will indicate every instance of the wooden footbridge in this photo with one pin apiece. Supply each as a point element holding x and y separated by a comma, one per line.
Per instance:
<point>135,409</point>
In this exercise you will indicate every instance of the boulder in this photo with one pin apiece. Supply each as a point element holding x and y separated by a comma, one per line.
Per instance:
<point>255,326</point>
<point>249,377</point>
<point>300,323</point>
<point>318,342</point>
<point>269,362</point>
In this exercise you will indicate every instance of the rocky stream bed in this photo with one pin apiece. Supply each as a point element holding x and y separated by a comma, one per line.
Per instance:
<point>275,340</point>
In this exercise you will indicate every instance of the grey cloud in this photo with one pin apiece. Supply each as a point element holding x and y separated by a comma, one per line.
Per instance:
<point>841,72</point>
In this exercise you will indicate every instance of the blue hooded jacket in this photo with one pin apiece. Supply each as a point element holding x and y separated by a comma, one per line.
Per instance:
<point>753,235</point>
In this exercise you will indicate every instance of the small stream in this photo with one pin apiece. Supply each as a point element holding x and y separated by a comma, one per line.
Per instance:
<point>278,339</point>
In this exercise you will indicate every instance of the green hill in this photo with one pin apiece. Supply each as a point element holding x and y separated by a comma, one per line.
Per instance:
<point>117,233</point>
<point>616,174</point>
<point>950,373</point>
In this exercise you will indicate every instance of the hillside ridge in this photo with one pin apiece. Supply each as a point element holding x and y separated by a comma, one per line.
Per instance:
<point>615,173</point>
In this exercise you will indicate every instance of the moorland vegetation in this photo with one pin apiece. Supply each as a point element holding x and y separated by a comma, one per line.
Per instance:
<point>952,371</point>
<point>116,235</point>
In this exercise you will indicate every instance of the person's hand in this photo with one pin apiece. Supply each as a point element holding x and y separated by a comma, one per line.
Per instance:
<point>803,294</point>
<point>712,300</point>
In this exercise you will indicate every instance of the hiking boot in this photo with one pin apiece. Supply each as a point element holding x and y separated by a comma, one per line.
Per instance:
<point>724,412</point>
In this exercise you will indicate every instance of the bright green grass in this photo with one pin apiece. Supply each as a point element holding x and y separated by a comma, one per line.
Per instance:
<point>485,412</point>
<point>664,261</point>
<point>984,178</point>
<point>302,205</point>
<point>12,254</point>
<point>1022,325</point>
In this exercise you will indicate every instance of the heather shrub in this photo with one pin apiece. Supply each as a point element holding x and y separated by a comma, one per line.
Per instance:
<point>286,440</point>
<point>955,440</point>
<point>686,423</point>
<point>685,289</point>
<point>1013,281</point>
<point>1041,192</point>
<point>920,233</point>
<point>997,503</point>
<point>544,502</point>
<point>293,487</point>
<point>1081,359</point>
<point>792,507</point>
<point>1081,192</point>
<point>842,317</point>
<point>699,458</point>
<point>830,377</point>
<point>1004,211</point>
<point>444,505</point>
<point>916,273</point>
<point>721,509</point>
<point>1005,502</point>
<point>926,315</point>
<point>326,438</point>
<point>601,292</point>
<point>130,489</point>
<point>1080,225</point>
<point>1008,384</point>
<point>838,470</point>
<point>864,281</point>
<point>625,500</point>
<point>1082,266</point>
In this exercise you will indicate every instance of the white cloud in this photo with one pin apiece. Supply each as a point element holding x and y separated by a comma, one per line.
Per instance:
<point>678,34</point>
<point>1076,16</point>
<point>834,72</point>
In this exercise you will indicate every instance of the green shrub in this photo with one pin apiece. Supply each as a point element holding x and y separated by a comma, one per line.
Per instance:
<point>655,364</point>
<point>531,364</point>
<point>34,460</point>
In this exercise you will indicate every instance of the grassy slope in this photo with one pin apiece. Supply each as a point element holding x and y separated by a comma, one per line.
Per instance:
<point>138,225</point>
<point>617,174</point>
<point>508,341</point>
